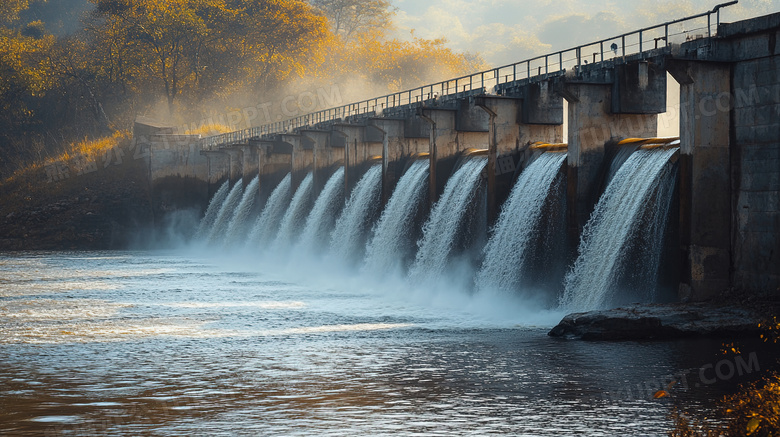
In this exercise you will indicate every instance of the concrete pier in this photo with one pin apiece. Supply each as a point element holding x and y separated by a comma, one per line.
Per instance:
<point>730,142</point>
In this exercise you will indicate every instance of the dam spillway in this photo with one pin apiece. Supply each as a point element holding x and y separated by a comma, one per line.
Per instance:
<point>715,198</point>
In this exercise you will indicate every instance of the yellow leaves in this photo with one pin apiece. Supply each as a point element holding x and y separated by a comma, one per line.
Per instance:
<point>753,425</point>
<point>665,392</point>
<point>730,348</point>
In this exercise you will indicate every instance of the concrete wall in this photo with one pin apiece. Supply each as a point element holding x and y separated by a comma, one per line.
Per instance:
<point>592,123</point>
<point>756,179</point>
<point>178,173</point>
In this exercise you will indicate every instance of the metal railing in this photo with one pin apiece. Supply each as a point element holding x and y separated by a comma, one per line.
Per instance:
<point>541,67</point>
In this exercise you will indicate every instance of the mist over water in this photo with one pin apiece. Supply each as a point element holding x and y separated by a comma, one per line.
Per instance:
<point>178,342</point>
<point>353,245</point>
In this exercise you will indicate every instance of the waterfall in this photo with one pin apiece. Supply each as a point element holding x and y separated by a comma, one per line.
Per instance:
<point>212,211</point>
<point>320,222</point>
<point>508,252</point>
<point>296,213</point>
<point>269,219</point>
<point>620,220</point>
<point>347,241</point>
<point>393,242</point>
<point>443,226</point>
<point>237,228</point>
<point>226,211</point>
<point>620,157</point>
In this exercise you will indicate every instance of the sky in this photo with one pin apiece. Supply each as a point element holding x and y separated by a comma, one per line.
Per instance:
<point>508,31</point>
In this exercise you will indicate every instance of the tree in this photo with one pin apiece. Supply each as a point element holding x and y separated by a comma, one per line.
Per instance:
<point>10,9</point>
<point>165,36</point>
<point>348,18</point>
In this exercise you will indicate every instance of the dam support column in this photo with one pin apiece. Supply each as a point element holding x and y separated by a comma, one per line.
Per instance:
<point>361,144</point>
<point>508,138</point>
<point>325,157</point>
<point>705,171</point>
<point>592,122</point>
<point>236,164</point>
<point>218,170</point>
<point>250,162</point>
<point>394,153</point>
<point>275,162</point>
<point>301,160</point>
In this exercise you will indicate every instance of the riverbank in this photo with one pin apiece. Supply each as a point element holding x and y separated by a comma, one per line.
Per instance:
<point>70,206</point>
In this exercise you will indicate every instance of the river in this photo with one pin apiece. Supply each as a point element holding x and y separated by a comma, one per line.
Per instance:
<point>169,343</point>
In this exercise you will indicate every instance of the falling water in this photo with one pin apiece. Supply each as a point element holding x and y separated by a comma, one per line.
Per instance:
<point>213,210</point>
<point>392,242</point>
<point>442,228</point>
<point>296,213</point>
<point>621,156</point>
<point>237,228</point>
<point>269,219</point>
<point>507,253</point>
<point>348,238</point>
<point>219,230</point>
<point>320,222</point>
<point>646,180</point>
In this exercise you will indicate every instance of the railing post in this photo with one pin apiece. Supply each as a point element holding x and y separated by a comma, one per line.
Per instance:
<point>601,50</point>
<point>666,35</point>
<point>640,43</point>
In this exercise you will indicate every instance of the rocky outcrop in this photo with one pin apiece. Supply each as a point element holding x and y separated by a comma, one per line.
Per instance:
<point>659,322</point>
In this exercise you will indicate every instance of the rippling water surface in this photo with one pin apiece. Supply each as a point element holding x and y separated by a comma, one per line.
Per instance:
<point>163,343</point>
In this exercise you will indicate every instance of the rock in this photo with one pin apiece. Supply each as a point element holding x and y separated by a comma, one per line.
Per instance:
<point>658,322</point>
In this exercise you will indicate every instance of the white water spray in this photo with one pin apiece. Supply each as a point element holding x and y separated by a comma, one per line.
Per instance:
<point>237,229</point>
<point>320,222</point>
<point>348,238</point>
<point>219,230</point>
<point>507,252</point>
<point>296,213</point>
<point>391,244</point>
<point>615,224</point>
<point>212,211</point>
<point>269,219</point>
<point>441,229</point>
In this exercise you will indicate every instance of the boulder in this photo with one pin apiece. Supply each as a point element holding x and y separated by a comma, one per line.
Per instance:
<point>659,322</point>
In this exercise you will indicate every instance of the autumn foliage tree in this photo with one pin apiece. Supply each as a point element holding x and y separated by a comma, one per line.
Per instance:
<point>131,57</point>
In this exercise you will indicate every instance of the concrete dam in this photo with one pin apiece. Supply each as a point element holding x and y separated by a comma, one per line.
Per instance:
<point>475,177</point>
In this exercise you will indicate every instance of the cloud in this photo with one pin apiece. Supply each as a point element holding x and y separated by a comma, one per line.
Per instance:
<point>507,31</point>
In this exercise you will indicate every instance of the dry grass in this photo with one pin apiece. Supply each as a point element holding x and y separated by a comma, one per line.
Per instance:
<point>209,130</point>
<point>34,172</point>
